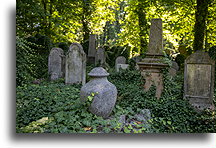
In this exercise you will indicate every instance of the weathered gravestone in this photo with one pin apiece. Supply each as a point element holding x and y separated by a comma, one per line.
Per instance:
<point>120,63</point>
<point>173,69</point>
<point>100,57</point>
<point>56,63</point>
<point>199,77</point>
<point>75,65</point>
<point>92,49</point>
<point>152,64</point>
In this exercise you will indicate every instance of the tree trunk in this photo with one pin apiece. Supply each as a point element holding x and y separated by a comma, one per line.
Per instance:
<point>200,24</point>
<point>142,26</point>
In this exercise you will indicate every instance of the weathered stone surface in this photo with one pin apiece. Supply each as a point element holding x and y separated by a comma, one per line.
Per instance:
<point>152,64</point>
<point>100,57</point>
<point>120,60</point>
<point>143,116</point>
<point>75,65</point>
<point>105,93</point>
<point>173,69</point>
<point>156,37</point>
<point>121,66</point>
<point>92,48</point>
<point>56,63</point>
<point>175,65</point>
<point>199,80</point>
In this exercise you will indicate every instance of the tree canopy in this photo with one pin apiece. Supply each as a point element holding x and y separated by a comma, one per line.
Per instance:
<point>119,22</point>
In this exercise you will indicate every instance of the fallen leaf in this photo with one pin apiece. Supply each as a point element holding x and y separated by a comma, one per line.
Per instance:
<point>87,128</point>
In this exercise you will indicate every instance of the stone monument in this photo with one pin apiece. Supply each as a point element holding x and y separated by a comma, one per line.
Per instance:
<point>92,49</point>
<point>199,78</point>
<point>56,63</point>
<point>100,57</point>
<point>120,63</point>
<point>75,65</point>
<point>105,93</point>
<point>152,64</point>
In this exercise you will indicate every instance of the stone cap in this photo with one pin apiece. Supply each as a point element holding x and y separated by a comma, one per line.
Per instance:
<point>98,72</point>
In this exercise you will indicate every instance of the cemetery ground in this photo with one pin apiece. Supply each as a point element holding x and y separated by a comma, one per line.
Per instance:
<point>54,107</point>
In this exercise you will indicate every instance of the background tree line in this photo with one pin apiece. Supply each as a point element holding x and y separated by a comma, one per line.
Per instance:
<point>120,25</point>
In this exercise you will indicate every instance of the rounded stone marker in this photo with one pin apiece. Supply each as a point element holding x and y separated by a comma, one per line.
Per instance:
<point>105,93</point>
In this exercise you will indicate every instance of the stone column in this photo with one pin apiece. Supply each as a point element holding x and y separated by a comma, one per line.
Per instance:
<point>92,49</point>
<point>152,64</point>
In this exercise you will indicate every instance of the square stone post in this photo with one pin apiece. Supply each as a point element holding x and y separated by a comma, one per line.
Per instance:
<point>92,49</point>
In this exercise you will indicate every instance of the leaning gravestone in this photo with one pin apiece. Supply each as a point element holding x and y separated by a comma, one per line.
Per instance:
<point>199,80</point>
<point>75,65</point>
<point>92,48</point>
<point>120,63</point>
<point>100,57</point>
<point>56,63</point>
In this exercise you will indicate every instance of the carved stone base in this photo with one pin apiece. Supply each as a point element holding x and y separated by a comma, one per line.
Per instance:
<point>150,68</point>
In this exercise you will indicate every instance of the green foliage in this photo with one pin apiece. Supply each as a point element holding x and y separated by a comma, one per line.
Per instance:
<point>171,113</point>
<point>54,107</point>
<point>114,51</point>
<point>25,65</point>
<point>37,101</point>
<point>41,54</point>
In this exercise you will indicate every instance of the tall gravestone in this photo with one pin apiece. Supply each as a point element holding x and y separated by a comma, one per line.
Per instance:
<point>56,63</point>
<point>152,64</point>
<point>199,77</point>
<point>92,48</point>
<point>75,65</point>
<point>100,57</point>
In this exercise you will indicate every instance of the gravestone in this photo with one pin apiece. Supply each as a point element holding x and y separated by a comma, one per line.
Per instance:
<point>173,69</point>
<point>119,60</point>
<point>92,48</point>
<point>199,77</point>
<point>56,63</point>
<point>100,57</point>
<point>121,66</point>
<point>152,64</point>
<point>75,65</point>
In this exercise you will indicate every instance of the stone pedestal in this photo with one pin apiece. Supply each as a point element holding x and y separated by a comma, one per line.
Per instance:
<point>151,70</point>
